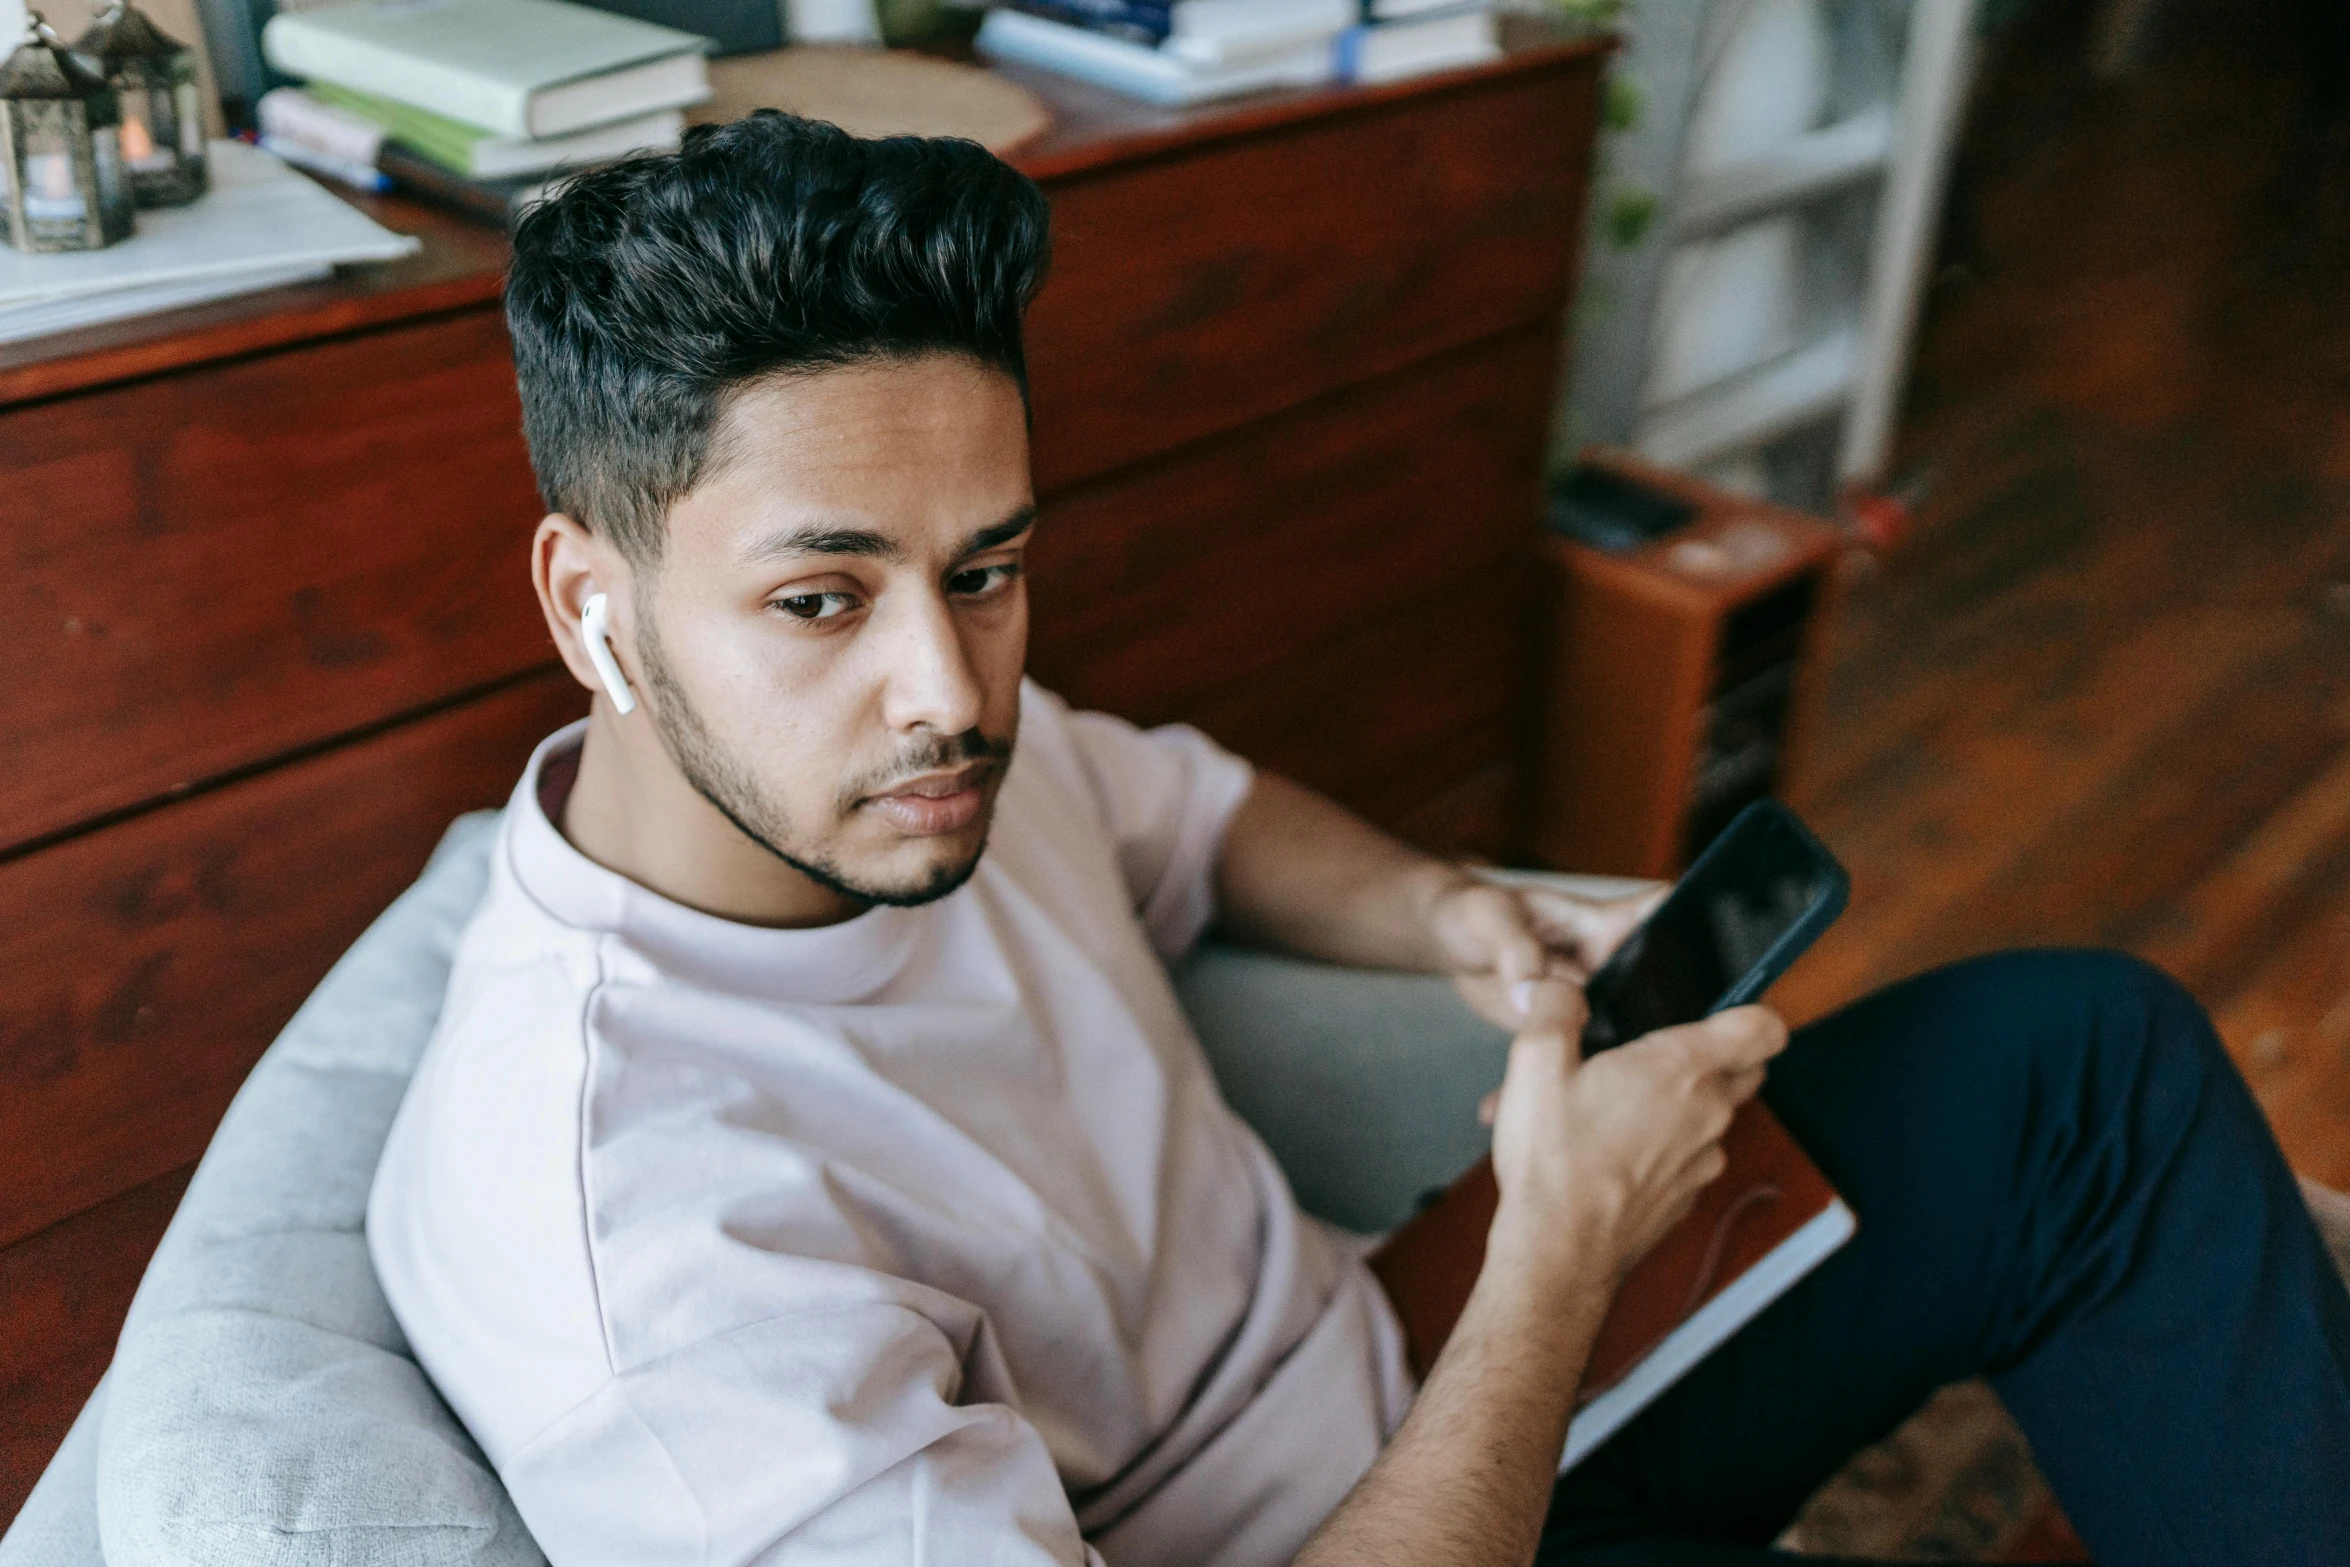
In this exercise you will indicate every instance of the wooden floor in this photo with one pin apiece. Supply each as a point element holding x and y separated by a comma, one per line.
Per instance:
<point>2103,694</point>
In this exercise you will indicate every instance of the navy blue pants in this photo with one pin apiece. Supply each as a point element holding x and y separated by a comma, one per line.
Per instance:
<point>2063,1185</point>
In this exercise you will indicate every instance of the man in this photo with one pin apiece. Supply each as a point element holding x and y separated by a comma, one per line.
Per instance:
<point>813,1165</point>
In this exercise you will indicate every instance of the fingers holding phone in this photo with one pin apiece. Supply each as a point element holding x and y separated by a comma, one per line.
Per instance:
<point>1609,1121</point>
<point>1759,895</point>
<point>1587,931</point>
<point>1598,1159</point>
<point>1738,1044</point>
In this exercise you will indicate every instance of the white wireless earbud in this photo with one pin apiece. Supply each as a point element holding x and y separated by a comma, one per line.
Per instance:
<point>592,626</point>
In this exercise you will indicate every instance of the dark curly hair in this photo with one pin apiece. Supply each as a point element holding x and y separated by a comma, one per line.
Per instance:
<point>641,296</point>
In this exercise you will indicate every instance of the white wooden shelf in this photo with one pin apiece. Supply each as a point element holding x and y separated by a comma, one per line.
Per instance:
<point>1729,97</point>
<point>1755,406</point>
<point>1798,169</point>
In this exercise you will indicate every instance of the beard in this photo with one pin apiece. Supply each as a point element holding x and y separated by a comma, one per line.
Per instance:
<point>736,792</point>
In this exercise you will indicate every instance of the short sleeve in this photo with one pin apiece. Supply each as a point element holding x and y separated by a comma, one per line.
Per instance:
<point>827,1438</point>
<point>1167,795</point>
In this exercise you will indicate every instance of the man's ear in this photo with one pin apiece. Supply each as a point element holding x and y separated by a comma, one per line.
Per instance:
<point>569,566</point>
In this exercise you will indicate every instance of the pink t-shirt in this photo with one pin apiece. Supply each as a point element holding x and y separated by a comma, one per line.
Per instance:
<point>924,1237</point>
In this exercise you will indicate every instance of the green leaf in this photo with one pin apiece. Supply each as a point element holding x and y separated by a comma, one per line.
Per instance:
<point>1628,218</point>
<point>1620,110</point>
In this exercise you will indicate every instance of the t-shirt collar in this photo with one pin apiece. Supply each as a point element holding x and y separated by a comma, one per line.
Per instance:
<point>824,964</point>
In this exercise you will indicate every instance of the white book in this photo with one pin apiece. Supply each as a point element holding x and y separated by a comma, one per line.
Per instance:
<point>1139,70</point>
<point>260,217</point>
<point>40,317</point>
<point>503,157</point>
<point>1707,1329</point>
<point>515,67</point>
<point>293,115</point>
<point>1207,54</point>
<point>480,155</point>
<point>1398,10</point>
<point>1234,32</point>
<point>1391,51</point>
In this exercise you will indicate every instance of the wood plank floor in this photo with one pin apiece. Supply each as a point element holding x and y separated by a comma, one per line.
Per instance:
<point>2102,696</point>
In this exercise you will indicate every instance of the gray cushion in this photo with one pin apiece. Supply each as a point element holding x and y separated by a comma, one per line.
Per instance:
<point>263,1407</point>
<point>1364,1085</point>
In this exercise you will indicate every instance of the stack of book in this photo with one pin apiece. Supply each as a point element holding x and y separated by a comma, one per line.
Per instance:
<point>480,101</point>
<point>1174,51</point>
<point>1400,38</point>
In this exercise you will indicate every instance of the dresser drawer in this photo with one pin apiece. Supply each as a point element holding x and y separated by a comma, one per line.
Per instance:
<point>1339,592</point>
<point>1203,290</point>
<point>213,568</point>
<point>169,949</point>
<point>67,1289</point>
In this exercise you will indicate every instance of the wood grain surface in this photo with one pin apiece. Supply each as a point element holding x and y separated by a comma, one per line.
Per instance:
<point>1436,222</point>
<point>877,92</point>
<point>66,1290</point>
<point>2104,696</point>
<point>215,568</point>
<point>171,948</point>
<point>1340,592</point>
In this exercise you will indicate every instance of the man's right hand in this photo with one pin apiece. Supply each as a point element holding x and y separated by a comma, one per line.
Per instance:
<point>1598,1159</point>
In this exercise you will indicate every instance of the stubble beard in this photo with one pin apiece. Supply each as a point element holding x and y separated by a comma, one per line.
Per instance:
<point>735,792</point>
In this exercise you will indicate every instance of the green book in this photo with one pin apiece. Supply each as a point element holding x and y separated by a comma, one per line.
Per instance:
<point>478,154</point>
<point>521,68</point>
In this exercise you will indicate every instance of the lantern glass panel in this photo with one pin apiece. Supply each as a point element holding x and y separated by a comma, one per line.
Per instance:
<point>52,188</point>
<point>191,117</point>
<point>150,142</point>
<point>60,149</point>
<point>114,189</point>
<point>154,78</point>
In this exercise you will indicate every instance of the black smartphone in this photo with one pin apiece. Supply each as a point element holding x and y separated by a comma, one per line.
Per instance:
<point>1611,511</point>
<point>1756,898</point>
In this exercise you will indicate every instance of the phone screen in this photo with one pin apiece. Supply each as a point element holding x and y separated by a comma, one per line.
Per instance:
<point>1714,934</point>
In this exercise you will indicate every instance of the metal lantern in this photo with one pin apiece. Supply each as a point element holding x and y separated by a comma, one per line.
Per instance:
<point>60,149</point>
<point>154,79</point>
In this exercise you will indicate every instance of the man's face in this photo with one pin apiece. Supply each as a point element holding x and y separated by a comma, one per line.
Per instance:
<point>835,631</point>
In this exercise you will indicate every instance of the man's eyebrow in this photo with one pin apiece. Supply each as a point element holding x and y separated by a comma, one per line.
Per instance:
<point>1003,532</point>
<point>820,540</point>
<point>817,539</point>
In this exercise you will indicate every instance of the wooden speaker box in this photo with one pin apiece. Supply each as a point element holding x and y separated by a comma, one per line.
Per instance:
<point>1677,676</point>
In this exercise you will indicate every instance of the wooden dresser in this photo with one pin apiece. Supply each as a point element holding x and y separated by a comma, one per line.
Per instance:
<point>270,624</point>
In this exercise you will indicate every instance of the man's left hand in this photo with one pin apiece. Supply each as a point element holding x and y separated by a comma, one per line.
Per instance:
<point>1494,940</point>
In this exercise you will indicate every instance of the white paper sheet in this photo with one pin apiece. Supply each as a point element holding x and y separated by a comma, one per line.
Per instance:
<point>40,317</point>
<point>260,217</point>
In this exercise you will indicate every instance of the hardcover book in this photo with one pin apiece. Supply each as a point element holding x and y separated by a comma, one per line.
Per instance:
<point>515,67</point>
<point>477,154</point>
<point>1769,1220</point>
<point>500,200</point>
<point>1138,21</point>
<point>1161,75</point>
<point>1417,43</point>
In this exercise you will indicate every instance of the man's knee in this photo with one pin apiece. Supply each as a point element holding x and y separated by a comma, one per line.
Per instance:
<point>2105,1038</point>
<point>2087,1034</point>
<point>2013,1060</point>
<point>2135,1021</point>
<point>2085,1005</point>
